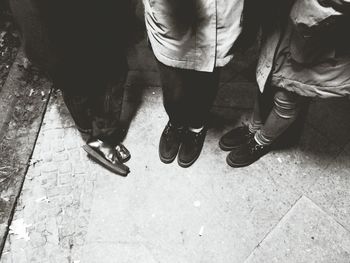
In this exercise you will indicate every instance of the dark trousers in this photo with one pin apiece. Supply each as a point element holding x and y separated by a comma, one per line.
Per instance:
<point>188,95</point>
<point>98,113</point>
<point>82,45</point>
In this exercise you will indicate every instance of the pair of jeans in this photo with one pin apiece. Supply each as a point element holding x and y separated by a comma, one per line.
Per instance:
<point>188,95</point>
<point>274,112</point>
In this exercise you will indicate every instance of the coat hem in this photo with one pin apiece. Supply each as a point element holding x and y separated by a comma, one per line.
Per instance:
<point>190,65</point>
<point>309,90</point>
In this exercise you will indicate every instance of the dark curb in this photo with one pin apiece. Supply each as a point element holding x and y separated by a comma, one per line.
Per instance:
<point>23,101</point>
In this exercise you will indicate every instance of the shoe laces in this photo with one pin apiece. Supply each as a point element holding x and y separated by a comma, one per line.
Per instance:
<point>167,129</point>
<point>254,146</point>
<point>249,134</point>
<point>195,136</point>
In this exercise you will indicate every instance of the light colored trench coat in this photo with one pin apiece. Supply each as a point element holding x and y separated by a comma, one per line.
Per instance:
<point>310,66</point>
<point>193,34</point>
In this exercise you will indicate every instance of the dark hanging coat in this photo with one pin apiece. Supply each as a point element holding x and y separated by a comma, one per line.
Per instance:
<point>80,43</point>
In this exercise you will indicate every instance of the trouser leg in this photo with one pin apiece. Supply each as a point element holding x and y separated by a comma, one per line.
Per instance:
<point>174,93</point>
<point>262,107</point>
<point>97,110</point>
<point>79,108</point>
<point>284,112</point>
<point>202,91</point>
<point>188,95</point>
<point>106,112</point>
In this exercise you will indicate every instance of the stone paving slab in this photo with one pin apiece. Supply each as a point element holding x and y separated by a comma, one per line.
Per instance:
<point>306,234</point>
<point>331,118</point>
<point>299,167</point>
<point>332,189</point>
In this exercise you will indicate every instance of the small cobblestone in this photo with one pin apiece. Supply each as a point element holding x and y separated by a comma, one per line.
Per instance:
<point>49,167</point>
<point>69,199</point>
<point>79,238</point>
<point>61,157</point>
<point>59,191</point>
<point>37,240</point>
<point>45,148</point>
<point>80,168</point>
<point>54,134</point>
<point>47,157</point>
<point>71,143</point>
<point>65,178</point>
<point>50,180</point>
<point>58,145</point>
<point>65,168</point>
<point>74,155</point>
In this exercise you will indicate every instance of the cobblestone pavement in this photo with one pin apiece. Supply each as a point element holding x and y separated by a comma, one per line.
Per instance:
<point>291,206</point>
<point>57,194</point>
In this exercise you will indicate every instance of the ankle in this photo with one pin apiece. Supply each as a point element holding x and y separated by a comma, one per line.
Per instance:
<point>196,130</point>
<point>261,139</point>
<point>253,128</point>
<point>175,125</point>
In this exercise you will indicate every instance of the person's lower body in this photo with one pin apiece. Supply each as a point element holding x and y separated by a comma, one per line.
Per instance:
<point>270,119</point>
<point>187,96</point>
<point>97,116</point>
<point>240,135</point>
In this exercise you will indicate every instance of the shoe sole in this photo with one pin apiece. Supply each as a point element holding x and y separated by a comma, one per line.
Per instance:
<point>84,131</point>
<point>236,165</point>
<point>186,165</point>
<point>165,160</point>
<point>121,169</point>
<point>126,159</point>
<point>228,148</point>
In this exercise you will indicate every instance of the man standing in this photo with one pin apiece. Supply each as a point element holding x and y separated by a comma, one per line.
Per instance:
<point>82,45</point>
<point>191,40</point>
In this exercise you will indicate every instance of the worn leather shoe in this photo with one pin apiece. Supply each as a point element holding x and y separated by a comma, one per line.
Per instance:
<point>235,138</point>
<point>191,147</point>
<point>247,153</point>
<point>106,155</point>
<point>169,143</point>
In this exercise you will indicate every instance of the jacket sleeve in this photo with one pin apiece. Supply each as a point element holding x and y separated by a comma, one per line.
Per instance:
<point>313,17</point>
<point>342,6</point>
